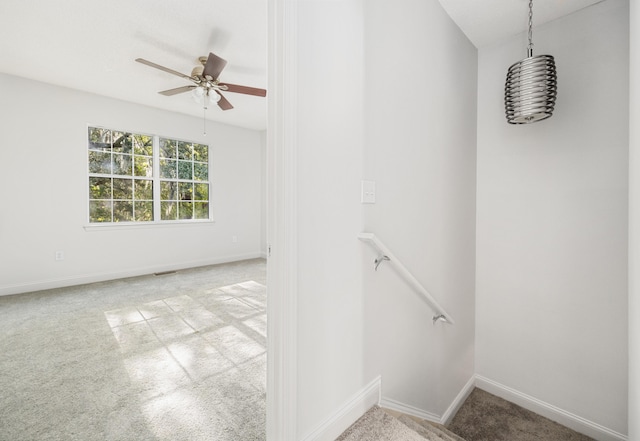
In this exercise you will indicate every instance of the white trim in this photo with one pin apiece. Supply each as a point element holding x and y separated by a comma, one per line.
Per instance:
<point>458,401</point>
<point>634,228</point>
<point>550,411</point>
<point>388,403</point>
<point>347,414</point>
<point>282,222</point>
<point>100,277</point>
<point>114,226</point>
<point>567,419</point>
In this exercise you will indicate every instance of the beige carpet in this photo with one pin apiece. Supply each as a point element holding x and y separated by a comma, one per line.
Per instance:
<point>172,357</point>
<point>485,417</point>
<point>385,425</point>
<point>377,425</point>
<point>429,431</point>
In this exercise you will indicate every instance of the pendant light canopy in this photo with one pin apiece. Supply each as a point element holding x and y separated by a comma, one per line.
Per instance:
<point>531,87</point>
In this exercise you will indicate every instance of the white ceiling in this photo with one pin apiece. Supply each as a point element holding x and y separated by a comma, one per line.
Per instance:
<point>91,45</point>
<point>487,21</point>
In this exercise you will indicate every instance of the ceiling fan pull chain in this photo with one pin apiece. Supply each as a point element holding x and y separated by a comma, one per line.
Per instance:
<point>204,120</point>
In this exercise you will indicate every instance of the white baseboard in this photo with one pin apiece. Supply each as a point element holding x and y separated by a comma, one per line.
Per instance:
<point>458,401</point>
<point>397,406</point>
<point>443,419</point>
<point>575,422</point>
<point>347,414</point>
<point>100,277</point>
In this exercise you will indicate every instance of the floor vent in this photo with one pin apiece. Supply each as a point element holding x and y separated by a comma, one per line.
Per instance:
<point>164,273</point>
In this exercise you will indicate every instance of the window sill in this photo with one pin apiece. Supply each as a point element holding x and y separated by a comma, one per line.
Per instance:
<point>143,225</point>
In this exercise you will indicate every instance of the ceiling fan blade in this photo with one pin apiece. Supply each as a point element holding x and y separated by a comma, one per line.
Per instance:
<point>223,103</point>
<point>244,89</point>
<point>165,69</point>
<point>214,66</point>
<point>177,90</point>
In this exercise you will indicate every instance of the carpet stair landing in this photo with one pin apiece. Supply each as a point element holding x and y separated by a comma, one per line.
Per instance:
<point>378,425</point>
<point>428,430</point>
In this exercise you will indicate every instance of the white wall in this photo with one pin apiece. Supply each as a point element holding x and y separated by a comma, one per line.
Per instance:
<point>551,293</point>
<point>329,168</point>
<point>634,225</point>
<point>420,149</point>
<point>44,182</point>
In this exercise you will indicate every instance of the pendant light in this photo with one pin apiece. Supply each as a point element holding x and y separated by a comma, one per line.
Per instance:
<point>531,87</point>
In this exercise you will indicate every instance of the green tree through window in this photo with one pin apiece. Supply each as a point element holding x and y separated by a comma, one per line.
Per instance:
<point>126,185</point>
<point>184,180</point>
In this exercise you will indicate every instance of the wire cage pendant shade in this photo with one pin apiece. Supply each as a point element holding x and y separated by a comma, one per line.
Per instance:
<point>531,87</point>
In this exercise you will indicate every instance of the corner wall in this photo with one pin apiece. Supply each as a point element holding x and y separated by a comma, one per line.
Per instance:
<point>551,287</point>
<point>634,225</point>
<point>44,182</point>
<point>328,168</point>
<point>420,149</point>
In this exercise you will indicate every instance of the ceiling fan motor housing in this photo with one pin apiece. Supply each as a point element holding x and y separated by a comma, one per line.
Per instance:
<point>197,72</point>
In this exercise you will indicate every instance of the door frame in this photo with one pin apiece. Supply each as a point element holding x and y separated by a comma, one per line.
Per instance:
<point>282,222</point>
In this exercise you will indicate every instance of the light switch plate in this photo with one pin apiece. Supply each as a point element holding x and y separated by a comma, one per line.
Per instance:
<point>368,192</point>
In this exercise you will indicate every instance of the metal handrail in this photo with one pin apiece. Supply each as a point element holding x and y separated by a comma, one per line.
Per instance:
<point>385,255</point>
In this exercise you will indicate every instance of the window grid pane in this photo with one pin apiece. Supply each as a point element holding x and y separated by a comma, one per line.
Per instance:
<point>110,197</point>
<point>184,179</point>
<point>123,178</point>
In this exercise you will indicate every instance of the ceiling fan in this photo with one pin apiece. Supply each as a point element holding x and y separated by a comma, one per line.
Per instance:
<point>205,79</point>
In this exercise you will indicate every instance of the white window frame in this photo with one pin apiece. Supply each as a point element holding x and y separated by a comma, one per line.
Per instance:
<point>156,179</point>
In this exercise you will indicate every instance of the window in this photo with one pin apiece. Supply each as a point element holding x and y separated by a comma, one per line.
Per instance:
<point>146,178</point>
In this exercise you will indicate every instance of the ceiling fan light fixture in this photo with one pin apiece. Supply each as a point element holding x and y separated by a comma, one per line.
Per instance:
<point>197,94</point>
<point>214,96</point>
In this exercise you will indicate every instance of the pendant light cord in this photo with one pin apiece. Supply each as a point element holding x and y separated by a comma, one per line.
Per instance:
<point>530,47</point>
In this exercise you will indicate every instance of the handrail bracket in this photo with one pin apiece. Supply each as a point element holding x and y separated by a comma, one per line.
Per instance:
<point>381,258</point>
<point>440,317</point>
<point>383,253</point>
